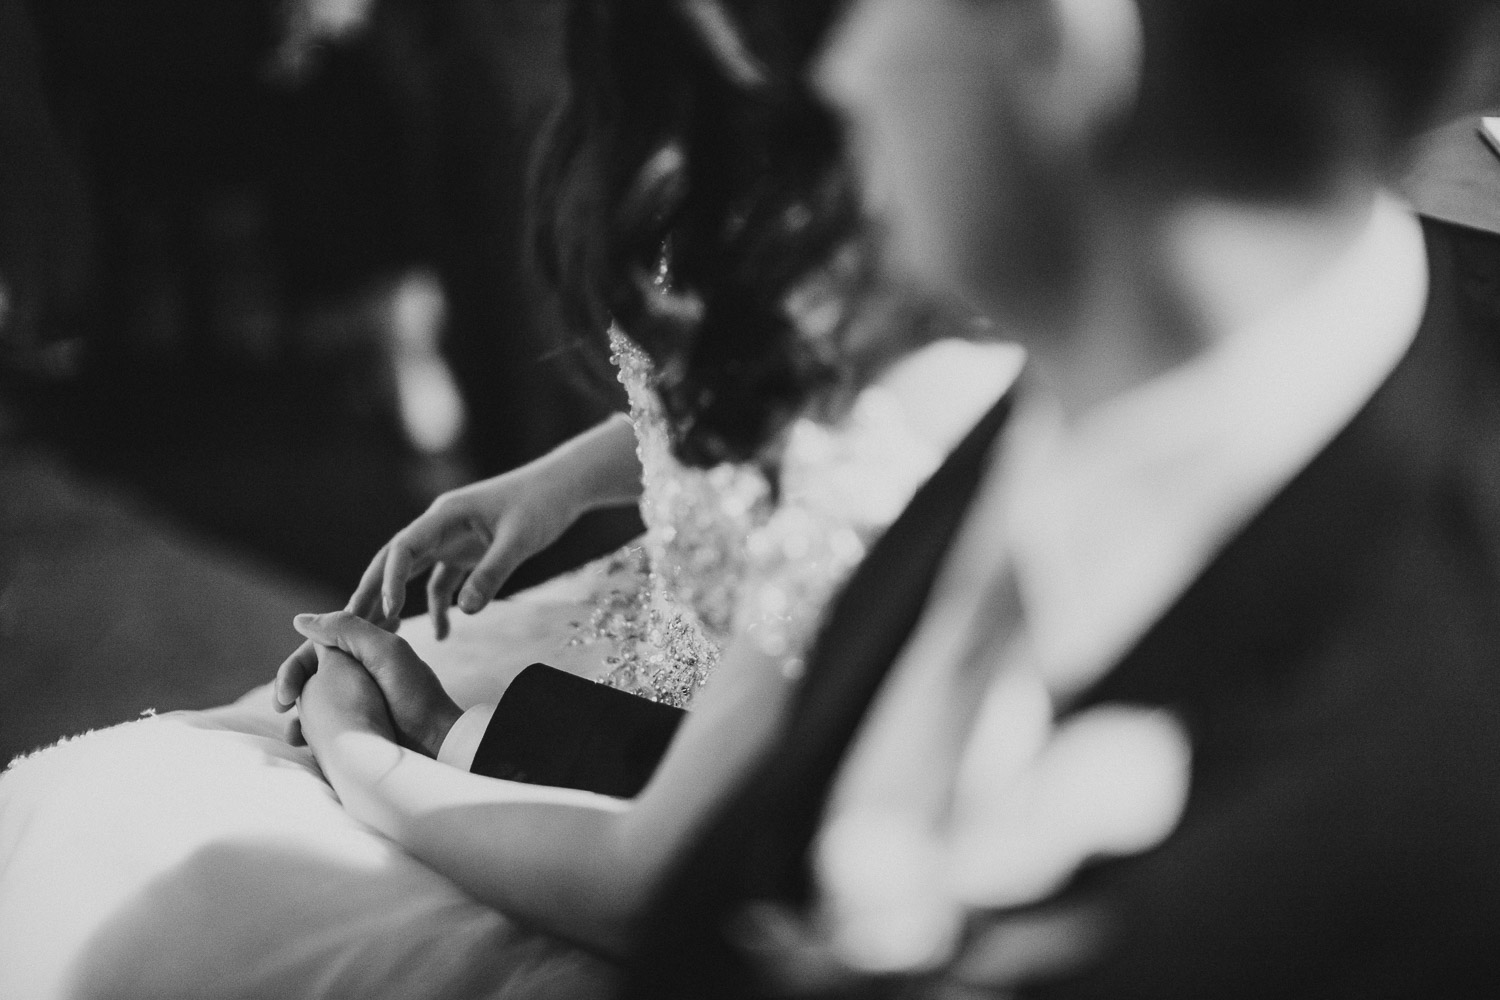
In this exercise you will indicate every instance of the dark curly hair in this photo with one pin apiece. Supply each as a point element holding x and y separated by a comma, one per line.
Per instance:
<point>691,182</point>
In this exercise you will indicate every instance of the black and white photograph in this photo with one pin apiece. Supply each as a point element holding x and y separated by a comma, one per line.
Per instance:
<point>749,499</point>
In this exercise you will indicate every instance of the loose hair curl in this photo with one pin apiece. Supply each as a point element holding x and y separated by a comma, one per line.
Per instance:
<point>689,184</point>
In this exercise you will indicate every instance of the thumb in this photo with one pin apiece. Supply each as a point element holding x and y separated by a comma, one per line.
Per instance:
<point>365,641</point>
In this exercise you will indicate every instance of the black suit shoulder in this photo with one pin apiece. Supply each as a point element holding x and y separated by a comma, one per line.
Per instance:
<point>1339,669</point>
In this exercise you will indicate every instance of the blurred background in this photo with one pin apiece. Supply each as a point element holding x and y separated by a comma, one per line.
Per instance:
<point>264,293</point>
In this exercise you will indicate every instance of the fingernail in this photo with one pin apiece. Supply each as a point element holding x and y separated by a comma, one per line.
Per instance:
<point>305,618</point>
<point>387,603</point>
<point>469,602</point>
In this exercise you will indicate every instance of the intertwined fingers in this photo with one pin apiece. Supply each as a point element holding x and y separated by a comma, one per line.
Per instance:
<point>366,641</point>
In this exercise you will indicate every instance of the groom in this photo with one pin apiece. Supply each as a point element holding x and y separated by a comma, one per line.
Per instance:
<point>1252,491</point>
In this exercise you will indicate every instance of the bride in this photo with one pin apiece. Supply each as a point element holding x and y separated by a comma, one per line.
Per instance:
<point>199,854</point>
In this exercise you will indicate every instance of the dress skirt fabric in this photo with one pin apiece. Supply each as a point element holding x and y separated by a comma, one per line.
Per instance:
<point>198,854</point>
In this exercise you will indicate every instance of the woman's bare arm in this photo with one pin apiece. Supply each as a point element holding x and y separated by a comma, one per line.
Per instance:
<point>580,865</point>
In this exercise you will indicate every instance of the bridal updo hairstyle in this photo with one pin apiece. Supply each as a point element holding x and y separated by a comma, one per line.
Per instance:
<point>688,185</point>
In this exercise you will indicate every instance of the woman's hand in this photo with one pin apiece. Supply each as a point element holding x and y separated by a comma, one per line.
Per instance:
<point>471,539</point>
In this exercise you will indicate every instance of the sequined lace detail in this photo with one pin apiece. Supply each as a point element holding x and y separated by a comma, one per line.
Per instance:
<point>720,559</point>
<point>841,486</point>
<point>670,604</point>
<point>657,651</point>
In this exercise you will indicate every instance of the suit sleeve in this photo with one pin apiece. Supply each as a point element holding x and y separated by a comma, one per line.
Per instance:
<point>555,728</point>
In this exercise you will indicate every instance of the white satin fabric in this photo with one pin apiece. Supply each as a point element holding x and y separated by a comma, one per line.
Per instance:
<point>198,855</point>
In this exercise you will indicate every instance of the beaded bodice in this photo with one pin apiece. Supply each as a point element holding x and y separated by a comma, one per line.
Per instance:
<point>721,557</point>
<point>675,607</point>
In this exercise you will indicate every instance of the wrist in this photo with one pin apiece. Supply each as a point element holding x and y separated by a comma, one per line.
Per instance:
<point>436,727</point>
<point>596,469</point>
<point>564,479</point>
<point>353,761</point>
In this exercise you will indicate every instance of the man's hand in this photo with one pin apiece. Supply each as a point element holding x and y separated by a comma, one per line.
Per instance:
<point>1050,942</point>
<point>420,708</point>
<point>302,664</point>
<point>795,955</point>
<point>341,697</point>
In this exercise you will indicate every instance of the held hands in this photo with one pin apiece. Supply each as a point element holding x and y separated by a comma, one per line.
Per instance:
<point>410,696</point>
<point>341,697</point>
<point>472,537</point>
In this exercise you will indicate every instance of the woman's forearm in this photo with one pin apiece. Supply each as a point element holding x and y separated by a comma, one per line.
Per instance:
<point>552,856</point>
<point>583,866</point>
<point>600,465</point>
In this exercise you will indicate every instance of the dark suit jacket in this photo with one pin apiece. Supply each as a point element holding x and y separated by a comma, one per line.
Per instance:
<point>554,728</point>
<point>1339,669</point>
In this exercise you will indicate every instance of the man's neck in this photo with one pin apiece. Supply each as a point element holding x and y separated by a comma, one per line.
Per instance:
<point>1165,287</point>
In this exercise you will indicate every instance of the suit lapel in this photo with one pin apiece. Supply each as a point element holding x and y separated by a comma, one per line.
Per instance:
<point>755,847</point>
<point>1226,646</point>
<point>875,613</point>
<point>867,626</point>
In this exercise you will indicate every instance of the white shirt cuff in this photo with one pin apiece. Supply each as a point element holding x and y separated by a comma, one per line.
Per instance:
<point>462,741</point>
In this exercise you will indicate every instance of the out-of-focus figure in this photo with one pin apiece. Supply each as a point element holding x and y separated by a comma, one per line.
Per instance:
<point>1183,683</point>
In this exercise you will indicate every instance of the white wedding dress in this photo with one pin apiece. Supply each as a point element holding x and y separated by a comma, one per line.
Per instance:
<point>197,854</point>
